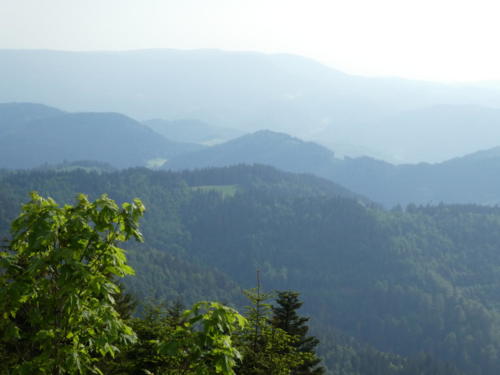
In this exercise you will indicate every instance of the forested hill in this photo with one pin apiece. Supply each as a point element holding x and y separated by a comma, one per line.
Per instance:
<point>422,280</point>
<point>14,115</point>
<point>469,179</point>
<point>265,147</point>
<point>33,134</point>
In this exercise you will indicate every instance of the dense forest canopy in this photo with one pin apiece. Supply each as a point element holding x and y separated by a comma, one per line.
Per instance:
<point>380,286</point>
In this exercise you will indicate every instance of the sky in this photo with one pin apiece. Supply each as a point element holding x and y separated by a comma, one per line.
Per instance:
<point>440,40</point>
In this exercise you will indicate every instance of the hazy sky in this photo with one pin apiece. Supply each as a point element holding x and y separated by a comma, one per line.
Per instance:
<point>424,39</point>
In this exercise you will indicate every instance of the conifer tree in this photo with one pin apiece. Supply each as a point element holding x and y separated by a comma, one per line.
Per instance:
<point>266,350</point>
<point>285,317</point>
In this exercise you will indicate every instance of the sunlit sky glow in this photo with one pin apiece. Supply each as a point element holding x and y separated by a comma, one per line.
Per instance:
<point>442,40</point>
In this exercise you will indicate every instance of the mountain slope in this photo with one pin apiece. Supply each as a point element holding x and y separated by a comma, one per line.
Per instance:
<point>263,147</point>
<point>470,179</point>
<point>38,135</point>
<point>14,115</point>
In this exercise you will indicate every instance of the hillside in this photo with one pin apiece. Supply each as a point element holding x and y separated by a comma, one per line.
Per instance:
<point>15,115</point>
<point>164,193</point>
<point>35,134</point>
<point>263,147</point>
<point>469,179</point>
<point>406,282</point>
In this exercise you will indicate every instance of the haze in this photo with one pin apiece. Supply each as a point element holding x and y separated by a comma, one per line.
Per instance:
<point>432,40</point>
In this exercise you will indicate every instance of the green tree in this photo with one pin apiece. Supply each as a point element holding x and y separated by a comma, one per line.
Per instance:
<point>57,284</point>
<point>62,312</point>
<point>285,317</point>
<point>202,343</point>
<point>171,341</point>
<point>266,350</point>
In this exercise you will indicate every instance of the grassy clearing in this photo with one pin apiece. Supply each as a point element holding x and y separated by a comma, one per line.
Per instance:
<point>155,163</point>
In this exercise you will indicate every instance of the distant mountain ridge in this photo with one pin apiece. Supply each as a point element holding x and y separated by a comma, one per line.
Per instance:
<point>262,147</point>
<point>432,134</point>
<point>470,179</point>
<point>14,115</point>
<point>250,91</point>
<point>31,135</point>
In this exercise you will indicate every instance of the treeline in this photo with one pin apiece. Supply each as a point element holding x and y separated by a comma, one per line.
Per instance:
<point>407,281</point>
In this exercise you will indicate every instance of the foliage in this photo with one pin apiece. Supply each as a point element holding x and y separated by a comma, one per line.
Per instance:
<point>142,356</point>
<point>267,350</point>
<point>286,318</point>
<point>202,343</point>
<point>397,283</point>
<point>57,290</point>
<point>195,341</point>
<point>62,312</point>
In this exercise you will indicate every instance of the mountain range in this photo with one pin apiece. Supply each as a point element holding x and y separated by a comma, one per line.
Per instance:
<point>395,119</point>
<point>34,134</point>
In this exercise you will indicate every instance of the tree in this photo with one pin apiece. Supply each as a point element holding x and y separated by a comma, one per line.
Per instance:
<point>267,350</point>
<point>171,341</point>
<point>142,357</point>
<point>202,343</point>
<point>285,317</point>
<point>57,284</point>
<point>63,313</point>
